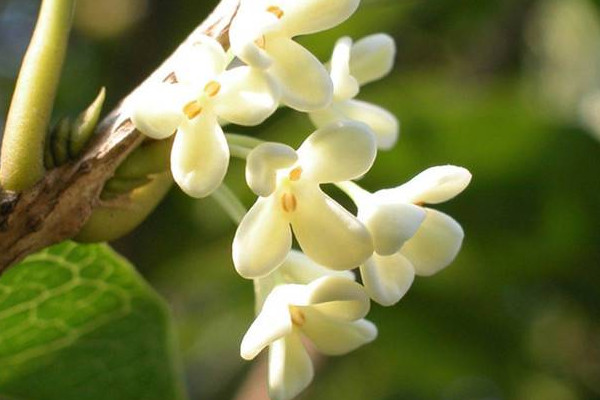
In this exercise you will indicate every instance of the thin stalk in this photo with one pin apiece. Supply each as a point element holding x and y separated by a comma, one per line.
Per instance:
<point>230,203</point>
<point>239,151</point>
<point>242,140</point>
<point>22,156</point>
<point>355,192</point>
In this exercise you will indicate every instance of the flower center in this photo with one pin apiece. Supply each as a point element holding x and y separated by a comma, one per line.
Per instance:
<point>276,11</point>
<point>298,317</point>
<point>212,88</point>
<point>295,174</point>
<point>260,42</point>
<point>192,109</point>
<point>289,202</point>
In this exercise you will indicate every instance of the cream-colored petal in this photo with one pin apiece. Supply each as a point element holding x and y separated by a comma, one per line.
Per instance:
<point>305,83</point>
<point>157,109</point>
<point>338,298</point>
<point>387,278</point>
<point>273,322</point>
<point>372,58</point>
<point>249,28</point>
<point>384,124</point>
<point>290,368</point>
<point>200,62</point>
<point>310,16</point>
<point>247,97</point>
<point>200,156</point>
<point>432,186</point>
<point>262,165</point>
<point>327,233</point>
<point>344,85</point>
<point>298,268</point>
<point>390,224</point>
<point>325,116</point>
<point>338,152</point>
<point>334,337</point>
<point>435,244</point>
<point>262,240</point>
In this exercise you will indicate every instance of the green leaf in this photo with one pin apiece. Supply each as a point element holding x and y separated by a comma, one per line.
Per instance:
<point>78,322</point>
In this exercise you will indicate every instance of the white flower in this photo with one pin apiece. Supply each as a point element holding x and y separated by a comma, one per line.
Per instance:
<point>204,92</point>
<point>289,182</point>
<point>328,311</point>
<point>408,238</point>
<point>352,66</point>
<point>261,36</point>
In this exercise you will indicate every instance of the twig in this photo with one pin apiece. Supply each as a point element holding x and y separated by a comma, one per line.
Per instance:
<point>58,206</point>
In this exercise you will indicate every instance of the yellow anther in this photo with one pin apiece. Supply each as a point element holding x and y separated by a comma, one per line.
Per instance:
<point>295,174</point>
<point>289,202</point>
<point>298,317</point>
<point>192,109</point>
<point>276,11</point>
<point>212,88</point>
<point>261,42</point>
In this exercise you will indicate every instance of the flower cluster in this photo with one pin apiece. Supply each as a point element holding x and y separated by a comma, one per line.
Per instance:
<point>309,294</point>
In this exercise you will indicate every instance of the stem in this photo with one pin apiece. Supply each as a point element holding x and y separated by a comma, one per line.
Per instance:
<point>355,192</point>
<point>243,140</point>
<point>22,163</point>
<point>241,145</point>
<point>239,151</point>
<point>230,203</point>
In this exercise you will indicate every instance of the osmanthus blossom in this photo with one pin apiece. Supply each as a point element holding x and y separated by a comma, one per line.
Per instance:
<point>355,65</point>
<point>204,93</point>
<point>329,312</point>
<point>287,182</point>
<point>261,36</point>
<point>409,239</point>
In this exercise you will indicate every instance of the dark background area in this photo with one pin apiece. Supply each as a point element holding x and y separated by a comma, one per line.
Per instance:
<point>482,84</point>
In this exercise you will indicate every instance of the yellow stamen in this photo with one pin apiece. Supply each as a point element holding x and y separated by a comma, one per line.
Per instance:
<point>298,317</point>
<point>212,88</point>
<point>289,202</point>
<point>278,12</point>
<point>192,109</point>
<point>295,174</point>
<point>261,42</point>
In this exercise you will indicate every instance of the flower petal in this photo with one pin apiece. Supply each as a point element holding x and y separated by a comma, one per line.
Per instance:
<point>262,165</point>
<point>327,233</point>
<point>344,85</point>
<point>262,240</point>
<point>298,268</point>
<point>435,245</point>
<point>247,97</point>
<point>272,323</point>
<point>432,186</point>
<point>310,16</point>
<point>390,224</point>
<point>305,83</point>
<point>384,124</point>
<point>372,58</point>
<point>338,152</point>
<point>157,109</point>
<point>334,337</point>
<point>200,62</point>
<point>339,298</point>
<point>290,368</point>
<point>387,278</point>
<point>200,156</point>
<point>250,25</point>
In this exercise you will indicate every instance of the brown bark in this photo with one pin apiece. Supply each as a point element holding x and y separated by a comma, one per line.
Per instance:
<point>58,206</point>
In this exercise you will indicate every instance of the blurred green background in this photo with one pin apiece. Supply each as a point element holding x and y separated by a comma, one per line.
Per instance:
<point>496,86</point>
